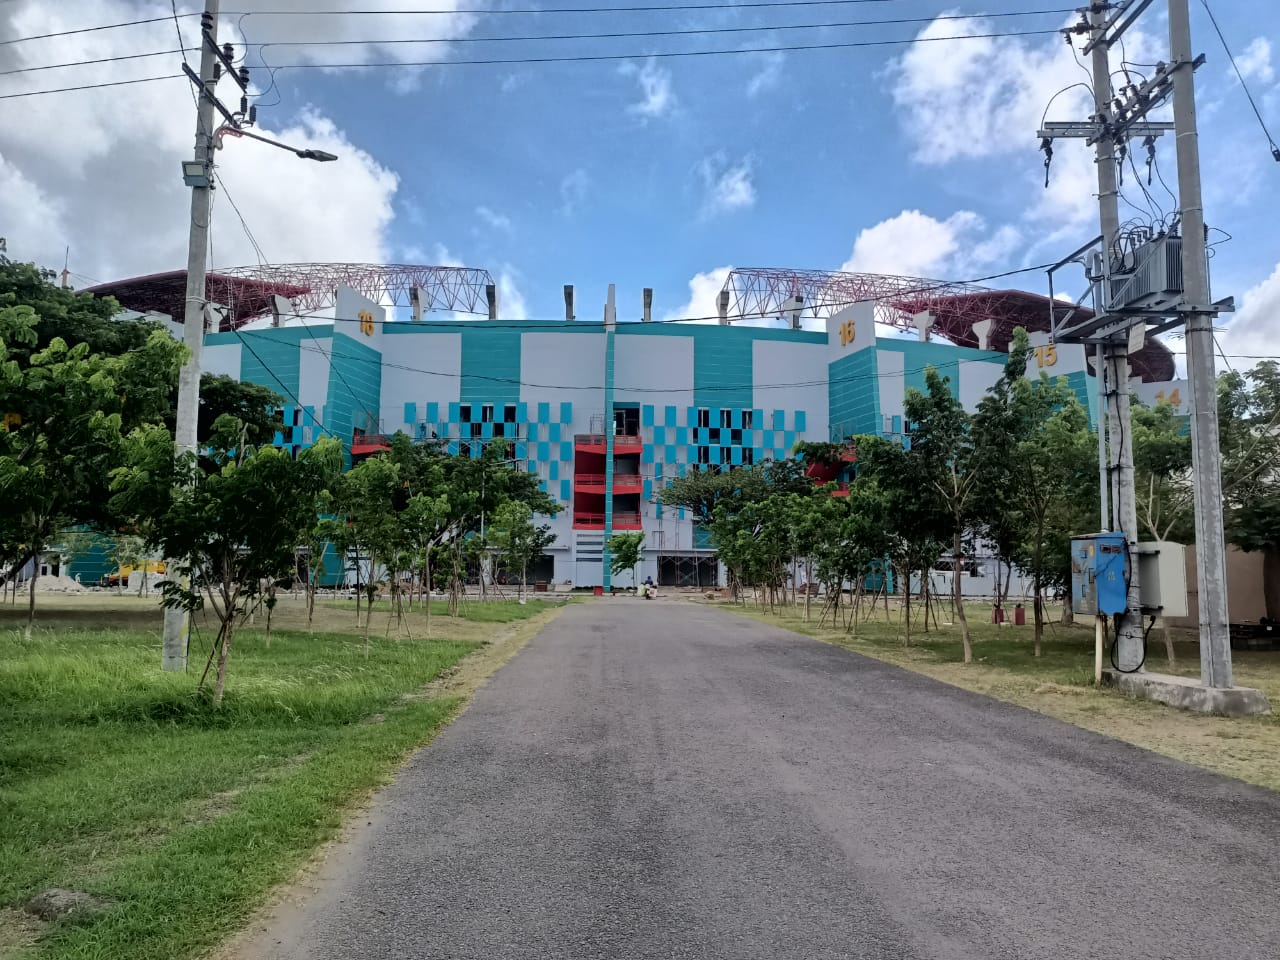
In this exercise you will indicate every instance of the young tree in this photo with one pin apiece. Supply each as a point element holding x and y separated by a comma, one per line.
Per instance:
<point>942,446</point>
<point>237,525</point>
<point>518,540</point>
<point>625,553</point>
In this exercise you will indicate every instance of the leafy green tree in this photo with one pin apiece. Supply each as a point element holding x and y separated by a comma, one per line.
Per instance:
<point>62,414</point>
<point>915,519</point>
<point>625,553</point>
<point>255,406</point>
<point>518,540</point>
<point>948,461</point>
<point>236,525</point>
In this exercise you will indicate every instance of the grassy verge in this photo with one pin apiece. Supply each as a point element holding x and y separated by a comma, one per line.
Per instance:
<point>1060,683</point>
<point>115,780</point>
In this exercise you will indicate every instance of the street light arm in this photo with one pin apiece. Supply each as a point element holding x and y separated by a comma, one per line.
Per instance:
<point>319,155</point>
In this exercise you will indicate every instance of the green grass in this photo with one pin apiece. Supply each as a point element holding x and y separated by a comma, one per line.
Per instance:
<point>118,780</point>
<point>477,611</point>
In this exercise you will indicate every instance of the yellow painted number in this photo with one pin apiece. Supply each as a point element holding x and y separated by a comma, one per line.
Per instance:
<point>1046,356</point>
<point>1174,396</point>
<point>848,333</point>
<point>366,323</point>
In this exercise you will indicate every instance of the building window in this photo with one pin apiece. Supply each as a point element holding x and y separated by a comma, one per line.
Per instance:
<point>486,413</point>
<point>726,455</point>
<point>509,413</point>
<point>748,420</point>
<point>464,413</point>
<point>748,456</point>
<point>704,454</point>
<point>498,429</point>
<point>704,417</point>
<point>726,419</point>
<point>713,435</point>
<point>475,429</point>
<point>735,437</point>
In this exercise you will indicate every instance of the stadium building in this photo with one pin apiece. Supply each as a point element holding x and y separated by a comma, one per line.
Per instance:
<point>606,413</point>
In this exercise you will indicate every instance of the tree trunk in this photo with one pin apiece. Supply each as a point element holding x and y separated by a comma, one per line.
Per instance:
<point>1037,610</point>
<point>31,599</point>
<point>957,542</point>
<point>906,609</point>
<point>1168,641</point>
<point>426,597</point>
<point>808,578</point>
<point>224,652</point>
<point>1271,581</point>
<point>1068,615</point>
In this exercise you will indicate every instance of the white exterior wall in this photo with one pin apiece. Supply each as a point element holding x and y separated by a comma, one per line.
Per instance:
<point>439,354</point>
<point>222,359</point>
<point>552,365</point>
<point>776,362</point>
<point>663,364</point>
<point>976,378</point>
<point>313,374</point>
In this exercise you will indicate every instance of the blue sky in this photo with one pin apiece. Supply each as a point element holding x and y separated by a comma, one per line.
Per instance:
<point>917,159</point>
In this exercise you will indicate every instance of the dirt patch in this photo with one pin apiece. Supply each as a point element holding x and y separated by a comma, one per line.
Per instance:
<point>18,931</point>
<point>57,903</point>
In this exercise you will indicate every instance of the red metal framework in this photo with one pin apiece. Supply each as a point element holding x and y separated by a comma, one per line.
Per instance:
<point>772,292</point>
<point>247,291</point>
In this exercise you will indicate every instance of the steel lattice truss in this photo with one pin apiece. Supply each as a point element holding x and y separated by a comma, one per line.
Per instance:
<point>247,291</point>
<point>456,289</point>
<point>756,292</point>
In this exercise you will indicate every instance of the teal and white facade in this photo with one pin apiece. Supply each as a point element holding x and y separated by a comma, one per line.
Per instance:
<point>605,414</point>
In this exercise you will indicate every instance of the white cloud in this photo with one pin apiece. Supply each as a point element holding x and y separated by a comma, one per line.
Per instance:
<point>727,186</point>
<point>499,221</point>
<point>1256,326</point>
<point>704,293</point>
<point>769,74</point>
<point>511,302</point>
<point>1255,61</point>
<point>986,97</point>
<point>573,190</point>
<point>657,98</point>
<point>111,158</point>
<point>914,244</point>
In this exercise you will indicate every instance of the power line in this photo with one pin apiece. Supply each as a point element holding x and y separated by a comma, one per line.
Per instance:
<point>509,11</point>
<point>694,31</point>
<point>105,26</point>
<point>1275,150</point>
<point>89,63</point>
<point>598,58</point>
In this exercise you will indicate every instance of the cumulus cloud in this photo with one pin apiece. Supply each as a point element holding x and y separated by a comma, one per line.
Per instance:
<point>704,293</point>
<point>986,97</point>
<point>657,98</point>
<point>727,186</point>
<point>914,244</point>
<point>511,302</point>
<point>98,169</point>
<point>1255,61</point>
<point>1256,325</point>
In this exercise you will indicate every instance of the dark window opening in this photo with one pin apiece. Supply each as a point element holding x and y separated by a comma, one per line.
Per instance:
<point>748,419</point>
<point>713,435</point>
<point>748,456</point>
<point>704,417</point>
<point>486,413</point>
<point>726,455</point>
<point>704,454</point>
<point>726,418</point>
<point>464,413</point>
<point>475,429</point>
<point>735,437</point>
<point>509,413</point>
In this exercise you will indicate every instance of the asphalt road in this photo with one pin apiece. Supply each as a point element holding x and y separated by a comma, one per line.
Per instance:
<point>663,780</point>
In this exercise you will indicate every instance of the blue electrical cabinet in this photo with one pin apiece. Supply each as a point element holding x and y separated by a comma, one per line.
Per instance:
<point>1099,574</point>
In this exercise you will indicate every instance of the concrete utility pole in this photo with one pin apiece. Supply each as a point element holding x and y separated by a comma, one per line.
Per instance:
<point>174,656</point>
<point>1211,568</point>
<point>1129,638</point>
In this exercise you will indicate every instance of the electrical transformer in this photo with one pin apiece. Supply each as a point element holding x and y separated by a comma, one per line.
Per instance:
<point>1099,574</point>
